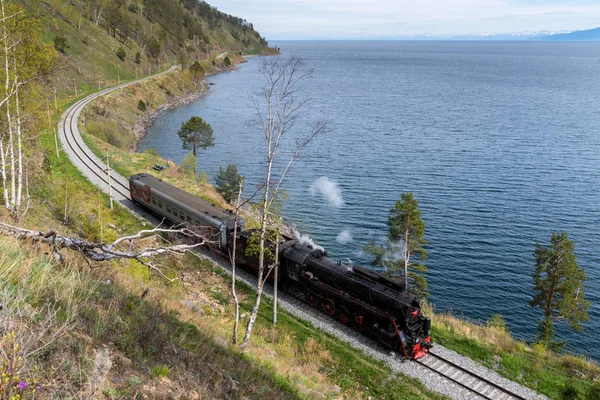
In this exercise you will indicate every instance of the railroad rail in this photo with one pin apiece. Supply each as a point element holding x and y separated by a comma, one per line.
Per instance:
<point>469,380</point>
<point>84,159</point>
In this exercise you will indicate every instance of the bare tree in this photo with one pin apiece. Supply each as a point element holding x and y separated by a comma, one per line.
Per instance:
<point>278,109</point>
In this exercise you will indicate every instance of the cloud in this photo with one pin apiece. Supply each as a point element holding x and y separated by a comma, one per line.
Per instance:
<point>344,237</point>
<point>297,19</point>
<point>328,189</point>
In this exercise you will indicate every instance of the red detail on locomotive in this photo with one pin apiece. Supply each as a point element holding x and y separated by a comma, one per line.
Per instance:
<point>420,351</point>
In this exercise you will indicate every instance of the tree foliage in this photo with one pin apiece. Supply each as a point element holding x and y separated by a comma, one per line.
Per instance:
<point>25,62</point>
<point>60,44</point>
<point>196,71</point>
<point>558,285</point>
<point>121,53</point>
<point>189,163</point>
<point>403,252</point>
<point>228,182</point>
<point>196,134</point>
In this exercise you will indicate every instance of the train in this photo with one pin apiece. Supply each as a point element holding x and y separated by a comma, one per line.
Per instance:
<point>366,300</point>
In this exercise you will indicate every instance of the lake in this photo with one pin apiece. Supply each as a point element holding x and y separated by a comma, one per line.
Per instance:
<point>498,141</point>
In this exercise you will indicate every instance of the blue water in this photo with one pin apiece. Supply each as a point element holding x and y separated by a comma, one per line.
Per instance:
<point>499,141</point>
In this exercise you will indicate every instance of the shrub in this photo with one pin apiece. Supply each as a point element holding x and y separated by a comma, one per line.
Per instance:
<point>141,105</point>
<point>498,322</point>
<point>189,163</point>
<point>121,53</point>
<point>60,44</point>
<point>138,58</point>
<point>227,61</point>
<point>203,178</point>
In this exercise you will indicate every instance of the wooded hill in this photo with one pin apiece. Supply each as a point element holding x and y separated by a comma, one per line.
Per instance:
<point>104,41</point>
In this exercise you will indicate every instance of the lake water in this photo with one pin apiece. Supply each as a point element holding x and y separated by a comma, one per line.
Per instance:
<point>498,141</point>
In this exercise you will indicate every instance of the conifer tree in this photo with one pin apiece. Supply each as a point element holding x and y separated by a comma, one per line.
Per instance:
<point>558,288</point>
<point>196,134</point>
<point>228,181</point>
<point>403,251</point>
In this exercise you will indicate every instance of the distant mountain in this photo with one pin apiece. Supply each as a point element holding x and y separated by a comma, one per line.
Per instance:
<point>590,34</point>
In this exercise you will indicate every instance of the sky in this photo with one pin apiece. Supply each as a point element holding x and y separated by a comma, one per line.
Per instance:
<point>372,19</point>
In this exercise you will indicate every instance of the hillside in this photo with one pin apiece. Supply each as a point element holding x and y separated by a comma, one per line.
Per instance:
<point>99,40</point>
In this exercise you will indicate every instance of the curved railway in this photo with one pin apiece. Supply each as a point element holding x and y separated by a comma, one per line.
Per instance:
<point>80,154</point>
<point>95,170</point>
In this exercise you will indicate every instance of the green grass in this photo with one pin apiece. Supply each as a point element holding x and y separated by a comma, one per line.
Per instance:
<point>554,375</point>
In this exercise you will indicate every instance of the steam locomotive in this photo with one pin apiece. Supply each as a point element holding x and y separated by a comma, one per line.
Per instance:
<point>357,296</point>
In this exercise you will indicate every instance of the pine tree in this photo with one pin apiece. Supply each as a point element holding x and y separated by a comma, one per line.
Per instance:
<point>196,134</point>
<point>558,288</point>
<point>228,182</point>
<point>403,250</point>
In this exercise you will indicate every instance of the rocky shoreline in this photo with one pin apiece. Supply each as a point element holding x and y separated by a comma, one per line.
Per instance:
<point>147,120</point>
<point>142,124</point>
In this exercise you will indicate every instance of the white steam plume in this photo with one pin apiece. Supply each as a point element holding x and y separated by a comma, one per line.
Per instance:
<point>344,236</point>
<point>328,189</point>
<point>305,239</point>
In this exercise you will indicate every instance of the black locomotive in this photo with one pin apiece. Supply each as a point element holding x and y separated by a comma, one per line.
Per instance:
<point>368,301</point>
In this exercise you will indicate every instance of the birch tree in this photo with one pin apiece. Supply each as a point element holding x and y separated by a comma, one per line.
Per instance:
<point>24,60</point>
<point>278,108</point>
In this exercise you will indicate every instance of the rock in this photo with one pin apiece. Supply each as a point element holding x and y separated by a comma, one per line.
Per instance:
<point>221,342</point>
<point>102,366</point>
<point>193,395</point>
<point>336,389</point>
<point>123,361</point>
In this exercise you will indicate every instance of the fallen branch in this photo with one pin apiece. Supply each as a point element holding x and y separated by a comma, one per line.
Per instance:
<point>103,252</point>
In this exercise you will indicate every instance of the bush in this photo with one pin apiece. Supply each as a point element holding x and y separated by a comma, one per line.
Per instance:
<point>189,163</point>
<point>203,178</point>
<point>60,44</point>
<point>138,58</point>
<point>141,105</point>
<point>121,53</point>
<point>227,61</point>
<point>498,322</point>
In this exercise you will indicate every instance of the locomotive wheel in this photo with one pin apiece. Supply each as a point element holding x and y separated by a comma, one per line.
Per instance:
<point>343,315</point>
<point>312,299</point>
<point>328,306</point>
<point>358,322</point>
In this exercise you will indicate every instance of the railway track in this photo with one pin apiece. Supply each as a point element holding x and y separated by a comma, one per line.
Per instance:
<point>83,158</point>
<point>474,383</point>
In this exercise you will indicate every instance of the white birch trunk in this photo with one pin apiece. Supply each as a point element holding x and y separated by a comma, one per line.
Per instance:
<point>232,258</point>
<point>19,155</point>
